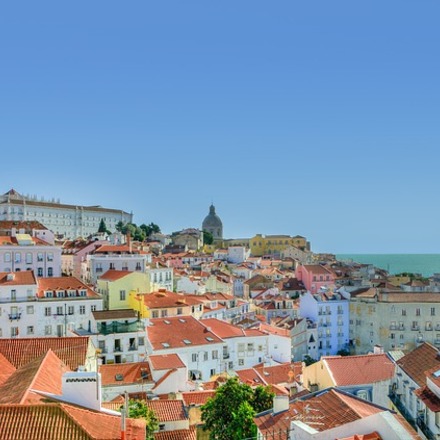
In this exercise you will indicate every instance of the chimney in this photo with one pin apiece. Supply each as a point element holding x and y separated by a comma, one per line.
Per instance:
<point>130,245</point>
<point>378,349</point>
<point>82,388</point>
<point>10,276</point>
<point>280,403</point>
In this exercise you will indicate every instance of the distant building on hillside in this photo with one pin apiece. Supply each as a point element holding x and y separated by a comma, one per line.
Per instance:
<point>66,221</point>
<point>213,224</point>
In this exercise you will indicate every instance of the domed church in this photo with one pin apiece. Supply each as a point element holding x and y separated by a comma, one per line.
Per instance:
<point>213,224</point>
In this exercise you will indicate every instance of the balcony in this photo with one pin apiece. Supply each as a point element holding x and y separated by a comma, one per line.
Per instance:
<point>425,429</point>
<point>393,327</point>
<point>98,270</point>
<point>225,355</point>
<point>415,328</point>
<point>14,316</point>
<point>132,348</point>
<point>119,327</point>
<point>395,398</point>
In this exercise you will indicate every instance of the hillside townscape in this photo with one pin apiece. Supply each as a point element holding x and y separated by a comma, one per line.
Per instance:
<point>113,330</point>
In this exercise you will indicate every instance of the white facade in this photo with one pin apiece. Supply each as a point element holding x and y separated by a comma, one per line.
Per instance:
<point>332,319</point>
<point>100,264</point>
<point>23,314</point>
<point>67,221</point>
<point>162,277</point>
<point>191,286</point>
<point>238,254</point>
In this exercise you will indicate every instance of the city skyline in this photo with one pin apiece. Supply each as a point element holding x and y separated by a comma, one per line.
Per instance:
<point>312,119</point>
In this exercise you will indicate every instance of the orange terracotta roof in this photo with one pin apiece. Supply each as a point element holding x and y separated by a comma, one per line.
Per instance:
<point>114,275</point>
<point>25,277</point>
<point>27,225</point>
<point>371,436</point>
<point>418,361</point>
<point>279,374</point>
<point>178,434</point>
<point>6,240</point>
<point>225,330</point>
<point>20,351</point>
<point>124,374</point>
<point>250,376</point>
<point>332,407</point>
<point>165,299</point>
<point>428,398</point>
<point>167,410</point>
<point>64,284</point>
<point>197,398</point>
<point>43,374</point>
<point>175,331</point>
<point>317,269</point>
<point>359,370</point>
<point>165,361</point>
<point>6,369</point>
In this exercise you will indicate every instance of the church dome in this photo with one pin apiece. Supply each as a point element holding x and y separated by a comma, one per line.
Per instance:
<point>213,224</point>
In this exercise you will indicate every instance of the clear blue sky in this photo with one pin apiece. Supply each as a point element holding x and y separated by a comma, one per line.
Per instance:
<point>318,118</point>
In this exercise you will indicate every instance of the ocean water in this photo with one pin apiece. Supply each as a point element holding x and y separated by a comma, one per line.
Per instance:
<point>424,264</point>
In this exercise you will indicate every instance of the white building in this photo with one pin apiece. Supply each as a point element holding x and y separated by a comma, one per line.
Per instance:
<point>115,258</point>
<point>330,311</point>
<point>33,307</point>
<point>119,336</point>
<point>238,254</point>
<point>67,221</point>
<point>20,252</point>
<point>162,277</point>
<point>199,348</point>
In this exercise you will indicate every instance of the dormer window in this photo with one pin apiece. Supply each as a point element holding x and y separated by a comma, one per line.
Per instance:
<point>49,294</point>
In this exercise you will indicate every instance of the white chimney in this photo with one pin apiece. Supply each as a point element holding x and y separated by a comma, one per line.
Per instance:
<point>82,388</point>
<point>280,403</point>
<point>378,349</point>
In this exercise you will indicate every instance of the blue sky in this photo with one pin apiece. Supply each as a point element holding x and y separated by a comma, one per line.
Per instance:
<point>315,118</point>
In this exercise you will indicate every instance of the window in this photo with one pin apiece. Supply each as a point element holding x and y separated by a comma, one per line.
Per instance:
<point>205,356</point>
<point>141,341</point>
<point>164,313</point>
<point>49,256</point>
<point>17,257</point>
<point>28,258</point>
<point>50,271</point>
<point>14,332</point>
<point>82,310</point>
<point>47,329</point>
<point>122,295</point>
<point>393,310</point>
<point>40,256</point>
<point>71,310</point>
<point>417,312</point>
<point>403,312</point>
<point>241,362</point>
<point>60,310</point>
<point>214,354</point>
<point>30,330</point>
<point>40,272</point>
<point>47,311</point>
<point>179,310</point>
<point>250,347</point>
<point>194,357</point>
<point>392,336</point>
<point>432,311</point>
<point>7,257</point>
<point>30,310</point>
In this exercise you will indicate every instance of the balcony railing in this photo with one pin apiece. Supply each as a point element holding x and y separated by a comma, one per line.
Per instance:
<point>225,355</point>
<point>395,398</point>
<point>425,429</point>
<point>14,316</point>
<point>119,327</point>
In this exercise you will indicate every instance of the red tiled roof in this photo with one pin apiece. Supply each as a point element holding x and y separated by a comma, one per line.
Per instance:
<point>197,398</point>
<point>27,225</point>
<point>6,369</point>
<point>167,410</point>
<point>250,376</point>
<point>164,299</point>
<point>114,275</point>
<point>25,277</point>
<point>371,436</point>
<point>131,373</point>
<point>332,407</point>
<point>174,331</point>
<point>418,361</point>
<point>165,361</point>
<point>317,269</point>
<point>359,370</point>
<point>114,249</point>
<point>279,374</point>
<point>20,351</point>
<point>178,434</point>
<point>63,283</point>
<point>428,398</point>
<point>43,374</point>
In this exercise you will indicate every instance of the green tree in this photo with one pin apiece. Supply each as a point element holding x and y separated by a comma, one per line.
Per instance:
<point>137,409</point>
<point>119,226</point>
<point>229,415</point>
<point>102,227</point>
<point>129,228</point>
<point>152,228</point>
<point>139,234</point>
<point>207,237</point>
<point>308,360</point>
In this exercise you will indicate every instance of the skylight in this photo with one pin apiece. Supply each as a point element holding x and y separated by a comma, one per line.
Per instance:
<point>436,374</point>
<point>167,322</point>
<point>166,345</point>
<point>187,341</point>
<point>119,377</point>
<point>209,339</point>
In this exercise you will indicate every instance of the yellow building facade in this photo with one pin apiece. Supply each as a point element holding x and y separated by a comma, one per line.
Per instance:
<point>274,244</point>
